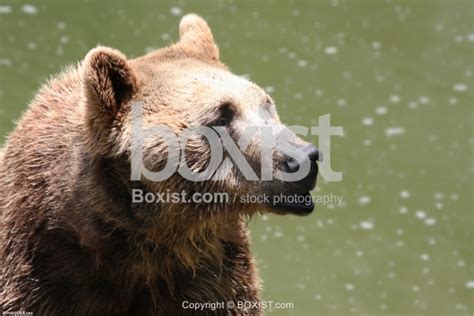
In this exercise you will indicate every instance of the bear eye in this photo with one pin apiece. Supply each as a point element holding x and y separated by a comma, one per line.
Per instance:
<point>226,114</point>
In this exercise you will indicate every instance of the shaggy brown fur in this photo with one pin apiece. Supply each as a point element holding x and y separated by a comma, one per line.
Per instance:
<point>71,240</point>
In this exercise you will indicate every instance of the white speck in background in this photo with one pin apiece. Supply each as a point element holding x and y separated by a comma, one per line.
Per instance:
<point>176,11</point>
<point>424,100</point>
<point>376,45</point>
<point>404,194</point>
<point>439,27</point>
<point>367,225</point>
<point>420,214</point>
<point>470,284</point>
<point>430,221</point>
<point>367,121</point>
<point>438,195</point>
<point>29,9</point>
<point>381,110</point>
<point>5,9</point>
<point>31,45</point>
<point>330,50</point>
<point>349,286</point>
<point>452,100</point>
<point>278,234</point>
<point>400,243</point>
<point>5,62</point>
<point>61,25</point>
<point>393,131</point>
<point>460,87</point>
<point>364,200</point>
<point>341,102</point>
<point>302,63</point>
<point>459,38</point>
<point>394,98</point>
<point>461,263</point>
<point>413,104</point>
<point>269,89</point>
<point>64,39</point>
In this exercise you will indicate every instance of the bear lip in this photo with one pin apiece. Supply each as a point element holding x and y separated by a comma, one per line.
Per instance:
<point>295,208</point>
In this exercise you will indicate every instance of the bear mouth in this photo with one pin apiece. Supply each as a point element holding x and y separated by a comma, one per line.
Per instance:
<point>296,204</point>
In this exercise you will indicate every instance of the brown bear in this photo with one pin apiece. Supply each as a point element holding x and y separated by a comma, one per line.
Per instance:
<point>74,241</point>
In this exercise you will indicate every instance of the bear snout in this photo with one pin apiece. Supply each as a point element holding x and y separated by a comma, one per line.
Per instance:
<point>291,165</point>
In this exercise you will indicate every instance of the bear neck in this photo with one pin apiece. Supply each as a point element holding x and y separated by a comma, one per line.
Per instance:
<point>152,241</point>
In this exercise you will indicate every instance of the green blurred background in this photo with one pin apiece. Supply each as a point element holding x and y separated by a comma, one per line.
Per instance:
<point>397,75</point>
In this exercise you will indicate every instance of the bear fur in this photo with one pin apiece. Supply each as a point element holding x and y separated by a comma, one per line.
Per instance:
<point>72,241</point>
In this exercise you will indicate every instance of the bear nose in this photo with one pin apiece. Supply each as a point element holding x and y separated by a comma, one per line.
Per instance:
<point>312,152</point>
<point>313,155</point>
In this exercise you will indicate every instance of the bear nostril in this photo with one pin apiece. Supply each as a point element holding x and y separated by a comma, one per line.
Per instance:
<point>312,152</point>
<point>293,165</point>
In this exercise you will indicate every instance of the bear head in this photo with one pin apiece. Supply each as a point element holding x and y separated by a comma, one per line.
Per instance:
<point>142,109</point>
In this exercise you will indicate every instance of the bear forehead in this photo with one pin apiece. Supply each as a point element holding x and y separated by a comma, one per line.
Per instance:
<point>221,82</point>
<point>200,82</point>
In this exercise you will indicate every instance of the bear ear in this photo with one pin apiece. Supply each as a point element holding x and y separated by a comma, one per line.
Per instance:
<point>195,34</point>
<point>108,78</point>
